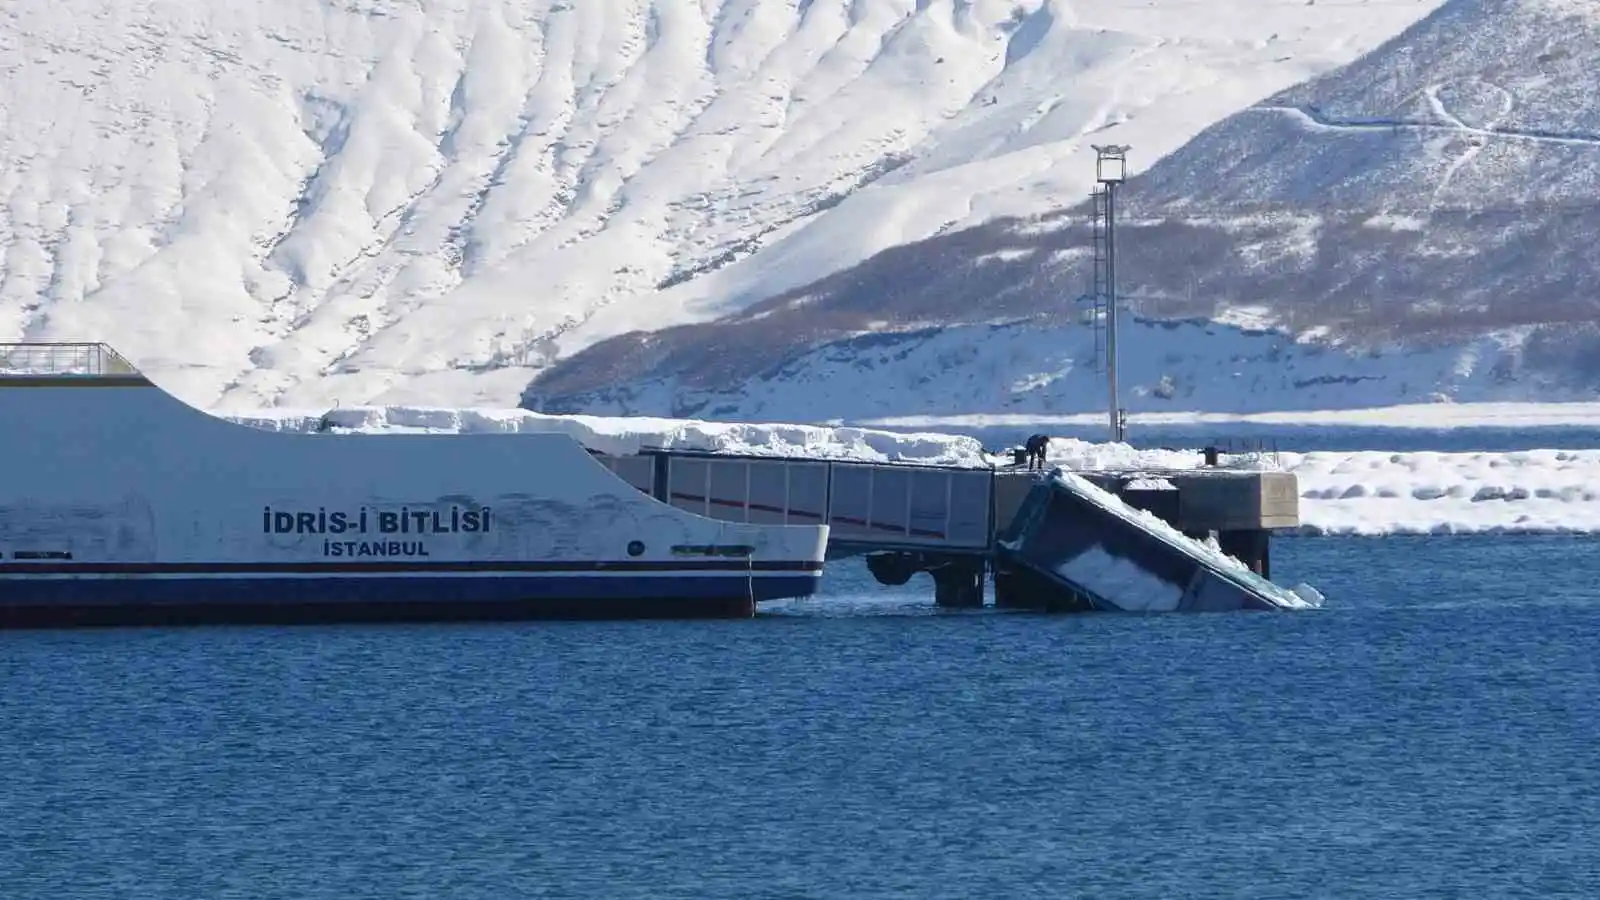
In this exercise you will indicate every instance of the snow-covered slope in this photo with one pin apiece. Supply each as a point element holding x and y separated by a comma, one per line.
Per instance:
<point>1438,194</point>
<point>1444,186</point>
<point>297,201</point>
<point>1020,367</point>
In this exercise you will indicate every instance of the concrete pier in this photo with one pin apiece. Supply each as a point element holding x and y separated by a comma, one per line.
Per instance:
<point>946,521</point>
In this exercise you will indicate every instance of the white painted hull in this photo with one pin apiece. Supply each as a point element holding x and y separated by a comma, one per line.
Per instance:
<point>119,503</point>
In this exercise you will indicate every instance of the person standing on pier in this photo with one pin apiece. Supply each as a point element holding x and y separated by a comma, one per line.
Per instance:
<point>1038,447</point>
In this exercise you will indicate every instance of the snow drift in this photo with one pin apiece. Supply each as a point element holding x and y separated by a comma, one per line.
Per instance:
<point>624,437</point>
<point>1365,493</point>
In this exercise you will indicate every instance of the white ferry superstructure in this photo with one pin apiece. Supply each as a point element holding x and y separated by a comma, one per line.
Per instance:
<point>120,504</point>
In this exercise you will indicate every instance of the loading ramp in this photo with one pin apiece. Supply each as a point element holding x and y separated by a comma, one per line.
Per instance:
<point>1076,547</point>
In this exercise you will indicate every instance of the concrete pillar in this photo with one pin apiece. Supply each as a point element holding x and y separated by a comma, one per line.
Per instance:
<point>1249,547</point>
<point>1009,591</point>
<point>958,585</point>
<point>894,569</point>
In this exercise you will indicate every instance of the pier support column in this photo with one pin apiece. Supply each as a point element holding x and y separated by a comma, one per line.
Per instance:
<point>1011,591</point>
<point>1020,589</point>
<point>894,569</point>
<point>1253,548</point>
<point>958,585</point>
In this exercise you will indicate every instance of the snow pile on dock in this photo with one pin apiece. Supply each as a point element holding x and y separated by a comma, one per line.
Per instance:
<point>1085,456</point>
<point>1353,493</point>
<point>627,436</point>
<point>1378,492</point>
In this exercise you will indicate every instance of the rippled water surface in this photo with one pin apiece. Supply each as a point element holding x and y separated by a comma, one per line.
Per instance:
<point>1435,731</point>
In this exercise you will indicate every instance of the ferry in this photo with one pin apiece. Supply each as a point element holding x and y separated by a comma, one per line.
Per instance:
<point>120,504</point>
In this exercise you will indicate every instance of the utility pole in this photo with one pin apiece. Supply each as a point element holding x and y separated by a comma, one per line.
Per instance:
<point>1111,169</point>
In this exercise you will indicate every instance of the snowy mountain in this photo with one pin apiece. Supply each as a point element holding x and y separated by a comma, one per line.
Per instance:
<point>1420,223</point>
<point>1026,367</point>
<point>299,201</point>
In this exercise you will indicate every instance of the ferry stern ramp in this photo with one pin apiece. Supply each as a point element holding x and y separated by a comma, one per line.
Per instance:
<point>1074,547</point>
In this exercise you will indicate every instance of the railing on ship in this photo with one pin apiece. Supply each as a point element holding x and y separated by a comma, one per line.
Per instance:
<point>86,360</point>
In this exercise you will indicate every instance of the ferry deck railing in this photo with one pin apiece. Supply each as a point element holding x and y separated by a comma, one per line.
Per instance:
<point>80,359</point>
<point>868,506</point>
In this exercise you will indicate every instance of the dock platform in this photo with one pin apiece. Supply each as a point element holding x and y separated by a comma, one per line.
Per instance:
<point>951,522</point>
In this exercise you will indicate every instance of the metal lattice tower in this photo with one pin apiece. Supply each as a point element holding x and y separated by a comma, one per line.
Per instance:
<point>1111,164</point>
<point>1099,278</point>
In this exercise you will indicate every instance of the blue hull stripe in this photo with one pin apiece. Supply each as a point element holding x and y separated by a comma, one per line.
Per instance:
<point>454,566</point>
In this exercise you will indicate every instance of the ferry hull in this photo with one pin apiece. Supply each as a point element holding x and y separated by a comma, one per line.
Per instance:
<point>311,598</point>
<point>121,505</point>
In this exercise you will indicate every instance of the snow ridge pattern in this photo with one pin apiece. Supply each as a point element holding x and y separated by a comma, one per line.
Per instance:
<point>306,201</point>
<point>1434,197</point>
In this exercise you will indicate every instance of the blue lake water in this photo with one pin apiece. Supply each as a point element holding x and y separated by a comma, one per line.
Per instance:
<point>1434,731</point>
